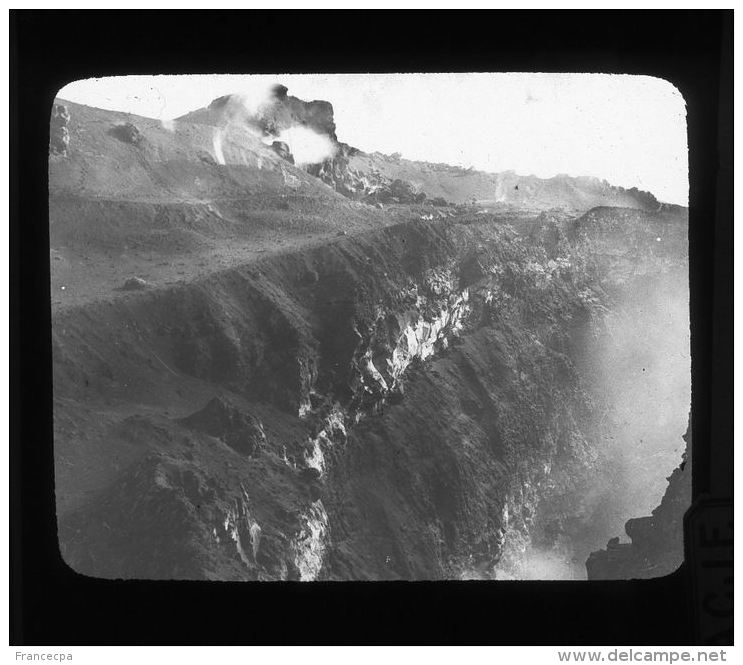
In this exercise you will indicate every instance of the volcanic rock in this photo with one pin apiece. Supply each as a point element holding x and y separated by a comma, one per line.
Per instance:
<point>135,284</point>
<point>240,431</point>
<point>485,332</point>
<point>126,132</point>
<point>283,151</point>
<point>59,138</point>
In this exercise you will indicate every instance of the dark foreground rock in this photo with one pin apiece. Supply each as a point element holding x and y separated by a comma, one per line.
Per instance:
<point>127,132</point>
<point>135,284</point>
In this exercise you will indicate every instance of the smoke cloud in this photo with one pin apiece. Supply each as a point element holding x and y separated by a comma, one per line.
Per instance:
<point>240,113</point>
<point>640,376</point>
<point>638,372</point>
<point>307,146</point>
<point>644,372</point>
<point>254,102</point>
<point>237,114</point>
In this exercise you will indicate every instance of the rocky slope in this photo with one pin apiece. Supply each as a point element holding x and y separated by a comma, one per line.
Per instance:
<point>285,121</point>
<point>303,386</point>
<point>501,190</point>
<point>163,208</point>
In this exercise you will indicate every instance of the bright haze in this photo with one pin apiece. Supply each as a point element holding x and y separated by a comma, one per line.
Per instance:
<point>628,130</point>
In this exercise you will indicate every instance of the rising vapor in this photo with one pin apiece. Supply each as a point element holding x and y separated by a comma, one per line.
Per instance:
<point>308,147</point>
<point>217,145</point>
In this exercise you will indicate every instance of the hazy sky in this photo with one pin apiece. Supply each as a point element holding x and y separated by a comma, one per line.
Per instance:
<point>629,130</point>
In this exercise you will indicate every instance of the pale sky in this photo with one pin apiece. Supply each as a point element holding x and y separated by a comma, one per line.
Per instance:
<point>629,130</point>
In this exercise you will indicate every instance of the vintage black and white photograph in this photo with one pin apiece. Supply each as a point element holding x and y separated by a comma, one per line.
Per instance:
<point>370,326</point>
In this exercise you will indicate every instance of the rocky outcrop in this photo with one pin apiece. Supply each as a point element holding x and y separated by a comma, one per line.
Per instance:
<point>283,151</point>
<point>273,116</point>
<point>656,546</point>
<point>283,111</point>
<point>127,132</point>
<point>240,431</point>
<point>134,284</point>
<point>59,139</point>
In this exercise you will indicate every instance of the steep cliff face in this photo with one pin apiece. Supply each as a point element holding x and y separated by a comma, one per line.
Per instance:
<point>325,342</point>
<point>400,404</point>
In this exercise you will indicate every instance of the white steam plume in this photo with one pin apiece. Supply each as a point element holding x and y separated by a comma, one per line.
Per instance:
<point>240,112</point>
<point>308,147</point>
<point>240,108</point>
<point>254,101</point>
<point>217,145</point>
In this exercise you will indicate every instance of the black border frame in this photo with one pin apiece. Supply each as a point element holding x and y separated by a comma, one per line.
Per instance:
<point>50,604</point>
